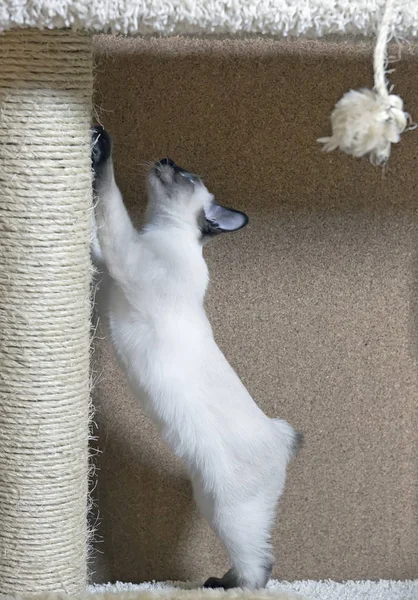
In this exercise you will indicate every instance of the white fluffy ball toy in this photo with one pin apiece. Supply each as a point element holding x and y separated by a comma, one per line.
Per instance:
<point>368,122</point>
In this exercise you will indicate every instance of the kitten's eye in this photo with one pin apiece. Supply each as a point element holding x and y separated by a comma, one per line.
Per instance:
<point>188,176</point>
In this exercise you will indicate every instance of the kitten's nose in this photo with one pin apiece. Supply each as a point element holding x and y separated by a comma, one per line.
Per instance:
<point>167,162</point>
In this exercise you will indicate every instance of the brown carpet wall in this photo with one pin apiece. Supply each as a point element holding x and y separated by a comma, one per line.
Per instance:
<point>315,304</point>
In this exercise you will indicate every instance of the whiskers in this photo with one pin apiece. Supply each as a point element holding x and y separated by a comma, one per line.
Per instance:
<point>161,169</point>
<point>146,165</point>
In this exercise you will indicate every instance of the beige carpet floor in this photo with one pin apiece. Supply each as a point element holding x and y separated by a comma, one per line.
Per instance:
<point>315,304</point>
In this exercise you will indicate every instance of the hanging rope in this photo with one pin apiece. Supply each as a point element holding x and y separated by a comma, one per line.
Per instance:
<point>368,122</point>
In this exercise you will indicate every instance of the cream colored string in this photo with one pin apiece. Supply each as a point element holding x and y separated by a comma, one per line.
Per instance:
<point>380,51</point>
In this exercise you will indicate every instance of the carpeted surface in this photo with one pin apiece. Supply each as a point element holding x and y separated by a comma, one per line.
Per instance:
<point>315,304</point>
<point>153,591</point>
<point>298,590</point>
<point>281,17</point>
<point>309,590</point>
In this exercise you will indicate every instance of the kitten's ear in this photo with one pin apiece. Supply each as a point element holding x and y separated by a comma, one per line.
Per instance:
<point>220,219</point>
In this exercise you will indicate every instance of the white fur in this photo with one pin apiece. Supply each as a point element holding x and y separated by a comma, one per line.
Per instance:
<point>154,288</point>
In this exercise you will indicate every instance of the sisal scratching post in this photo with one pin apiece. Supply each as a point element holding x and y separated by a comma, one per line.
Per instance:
<point>45,199</point>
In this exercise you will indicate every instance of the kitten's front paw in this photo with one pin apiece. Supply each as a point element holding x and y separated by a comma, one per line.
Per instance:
<point>101,147</point>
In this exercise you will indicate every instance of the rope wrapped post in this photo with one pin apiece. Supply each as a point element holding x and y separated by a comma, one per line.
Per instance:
<point>45,273</point>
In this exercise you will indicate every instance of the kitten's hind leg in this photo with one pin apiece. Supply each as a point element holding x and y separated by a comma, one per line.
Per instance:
<point>244,528</point>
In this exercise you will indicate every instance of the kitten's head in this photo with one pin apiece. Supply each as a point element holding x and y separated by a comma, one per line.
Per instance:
<point>175,192</point>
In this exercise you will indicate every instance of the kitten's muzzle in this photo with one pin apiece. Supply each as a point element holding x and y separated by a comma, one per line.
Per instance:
<point>169,172</point>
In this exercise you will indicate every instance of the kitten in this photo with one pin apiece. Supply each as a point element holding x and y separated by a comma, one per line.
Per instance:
<point>155,282</point>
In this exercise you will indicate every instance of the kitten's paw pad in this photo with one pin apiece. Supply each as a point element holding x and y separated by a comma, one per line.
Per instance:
<point>101,146</point>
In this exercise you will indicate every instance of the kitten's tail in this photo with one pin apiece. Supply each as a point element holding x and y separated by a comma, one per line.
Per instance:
<point>289,438</point>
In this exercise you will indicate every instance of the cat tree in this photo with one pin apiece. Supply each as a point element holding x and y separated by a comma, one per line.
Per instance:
<point>46,81</point>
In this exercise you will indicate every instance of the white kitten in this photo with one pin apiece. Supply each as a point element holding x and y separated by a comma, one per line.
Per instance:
<point>155,282</point>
